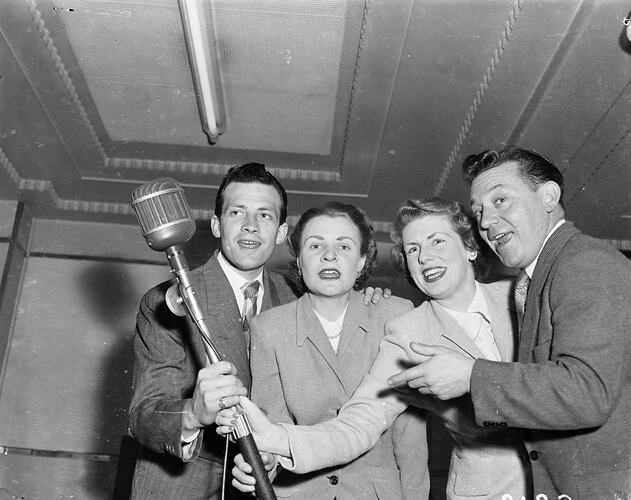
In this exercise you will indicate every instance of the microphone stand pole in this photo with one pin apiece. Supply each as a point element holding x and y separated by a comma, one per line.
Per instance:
<point>242,433</point>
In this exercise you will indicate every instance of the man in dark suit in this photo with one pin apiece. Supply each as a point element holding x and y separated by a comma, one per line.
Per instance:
<point>176,395</point>
<point>571,389</point>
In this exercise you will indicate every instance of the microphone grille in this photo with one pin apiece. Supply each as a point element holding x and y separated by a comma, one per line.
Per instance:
<point>162,212</point>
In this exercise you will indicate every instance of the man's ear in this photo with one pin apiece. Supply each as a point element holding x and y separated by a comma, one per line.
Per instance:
<point>551,195</point>
<point>281,234</point>
<point>215,226</point>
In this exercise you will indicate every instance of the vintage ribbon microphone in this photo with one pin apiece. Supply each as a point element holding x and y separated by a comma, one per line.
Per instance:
<point>166,223</point>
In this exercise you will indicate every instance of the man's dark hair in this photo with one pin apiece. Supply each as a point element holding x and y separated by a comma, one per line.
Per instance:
<point>251,173</point>
<point>535,169</point>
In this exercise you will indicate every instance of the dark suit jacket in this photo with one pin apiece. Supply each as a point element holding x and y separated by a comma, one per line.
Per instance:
<point>169,353</point>
<point>572,385</point>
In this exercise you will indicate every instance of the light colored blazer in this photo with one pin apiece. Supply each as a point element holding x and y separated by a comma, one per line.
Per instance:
<point>572,385</point>
<point>485,463</point>
<point>298,378</point>
<point>168,354</point>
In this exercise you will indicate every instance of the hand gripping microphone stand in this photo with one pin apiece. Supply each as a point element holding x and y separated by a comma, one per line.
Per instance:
<point>166,223</point>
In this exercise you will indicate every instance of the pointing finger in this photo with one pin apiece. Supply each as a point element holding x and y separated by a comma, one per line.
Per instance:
<point>425,350</point>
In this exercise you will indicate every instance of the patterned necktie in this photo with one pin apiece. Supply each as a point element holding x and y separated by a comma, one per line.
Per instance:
<point>521,291</point>
<point>250,294</point>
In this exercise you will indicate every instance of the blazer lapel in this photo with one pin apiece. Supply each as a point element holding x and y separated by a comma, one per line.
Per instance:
<point>452,336</point>
<point>355,323</point>
<point>308,329</point>
<point>224,320</point>
<point>532,311</point>
<point>270,295</point>
<point>429,324</point>
<point>354,343</point>
<point>501,320</point>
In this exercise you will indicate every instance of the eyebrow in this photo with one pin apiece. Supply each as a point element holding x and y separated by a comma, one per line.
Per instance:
<point>495,186</point>
<point>498,185</point>
<point>339,238</point>
<point>429,237</point>
<point>258,209</point>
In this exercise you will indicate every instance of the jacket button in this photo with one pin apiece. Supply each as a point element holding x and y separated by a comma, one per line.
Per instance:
<point>333,480</point>
<point>534,455</point>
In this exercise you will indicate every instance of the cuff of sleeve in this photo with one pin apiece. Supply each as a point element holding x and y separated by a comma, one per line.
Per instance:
<point>190,451</point>
<point>286,463</point>
<point>188,445</point>
<point>189,436</point>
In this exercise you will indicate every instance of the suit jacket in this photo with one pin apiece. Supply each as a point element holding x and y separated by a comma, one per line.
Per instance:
<point>298,378</point>
<point>168,354</point>
<point>572,385</point>
<point>485,462</point>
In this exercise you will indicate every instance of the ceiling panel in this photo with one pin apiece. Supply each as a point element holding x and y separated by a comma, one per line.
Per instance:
<point>365,101</point>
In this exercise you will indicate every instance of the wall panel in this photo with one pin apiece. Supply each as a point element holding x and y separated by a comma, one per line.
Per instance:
<point>91,239</point>
<point>7,217</point>
<point>45,478</point>
<point>69,368</point>
<point>4,249</point>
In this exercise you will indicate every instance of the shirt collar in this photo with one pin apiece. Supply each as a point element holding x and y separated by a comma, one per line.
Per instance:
<point>331,327</point>
<point>531,267</point>
<point>237,281</point>
<point>477,305</point>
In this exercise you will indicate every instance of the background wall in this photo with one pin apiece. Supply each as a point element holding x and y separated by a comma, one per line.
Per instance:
<point>69,297</point>
<point>68,300</point>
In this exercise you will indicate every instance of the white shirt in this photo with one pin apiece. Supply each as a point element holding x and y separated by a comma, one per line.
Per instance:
<point>475,322</point>
<point>333,329</point>
<point>237,281</point>
<point>531,268</point>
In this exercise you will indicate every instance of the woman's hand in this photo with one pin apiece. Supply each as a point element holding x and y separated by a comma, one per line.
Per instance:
<point>269,437</point>
<point>242,479</point>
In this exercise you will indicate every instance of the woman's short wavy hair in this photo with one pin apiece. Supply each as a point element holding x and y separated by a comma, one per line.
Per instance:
<point>367,248</point>
<point>464,225</point>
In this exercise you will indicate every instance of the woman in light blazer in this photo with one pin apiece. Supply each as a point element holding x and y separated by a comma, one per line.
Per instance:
<point>437,247</point>
<point>309,356</point>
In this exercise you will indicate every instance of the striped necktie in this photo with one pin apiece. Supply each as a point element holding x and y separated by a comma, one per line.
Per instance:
<point>521,291</point>
<point>250,296</point>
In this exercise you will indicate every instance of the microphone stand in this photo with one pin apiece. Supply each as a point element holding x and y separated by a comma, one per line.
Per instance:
<point>242,433</point>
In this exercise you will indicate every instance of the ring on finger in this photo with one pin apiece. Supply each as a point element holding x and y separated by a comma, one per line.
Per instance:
<point>221,404</point>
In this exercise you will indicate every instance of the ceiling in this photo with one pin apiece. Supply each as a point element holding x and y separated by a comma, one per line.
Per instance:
<point>365,101</point>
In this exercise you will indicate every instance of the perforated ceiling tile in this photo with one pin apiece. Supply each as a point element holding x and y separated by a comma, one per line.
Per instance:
<point>279,62</point>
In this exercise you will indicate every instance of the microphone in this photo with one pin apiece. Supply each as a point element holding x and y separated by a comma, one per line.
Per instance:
<point>166,223</point>
<point>163,214</point>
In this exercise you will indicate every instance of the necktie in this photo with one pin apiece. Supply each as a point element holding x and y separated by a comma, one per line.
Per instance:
<point>250,293</point>
<point>521,290</point>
